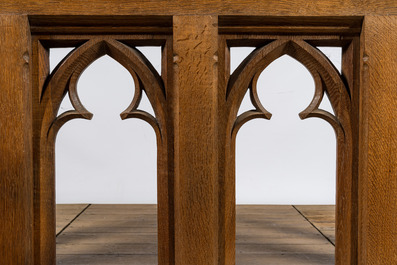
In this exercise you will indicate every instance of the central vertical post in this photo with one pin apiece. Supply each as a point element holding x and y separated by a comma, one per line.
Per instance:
<point>195,43</point>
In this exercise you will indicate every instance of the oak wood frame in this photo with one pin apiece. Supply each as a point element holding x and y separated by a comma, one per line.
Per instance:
<point>299,46</point>
<point>48,93</point>
<point>196,210</point>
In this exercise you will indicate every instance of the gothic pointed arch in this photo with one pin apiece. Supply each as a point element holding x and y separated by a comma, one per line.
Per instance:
<point>326,77</point>
<point>63,80</point>
<point>327,80</point>
<point>66,75</point>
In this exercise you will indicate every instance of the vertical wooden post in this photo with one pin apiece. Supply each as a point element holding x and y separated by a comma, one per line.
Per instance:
<point>16,171</point>
<point>196,169</point>
<point>378,143</point>
<point>351,72</point>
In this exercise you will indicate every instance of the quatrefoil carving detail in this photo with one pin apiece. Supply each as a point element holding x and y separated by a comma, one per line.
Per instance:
<point>65,77</point>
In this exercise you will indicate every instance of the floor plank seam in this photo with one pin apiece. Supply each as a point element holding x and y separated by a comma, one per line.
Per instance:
<point>329,240</point>
<point>110,234</point>
<point>74,219</point>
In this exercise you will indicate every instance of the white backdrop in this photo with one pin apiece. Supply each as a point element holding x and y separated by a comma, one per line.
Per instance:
<point>281,161</point>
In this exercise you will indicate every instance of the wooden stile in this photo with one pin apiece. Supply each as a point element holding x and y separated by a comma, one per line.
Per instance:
<point>16,172</point>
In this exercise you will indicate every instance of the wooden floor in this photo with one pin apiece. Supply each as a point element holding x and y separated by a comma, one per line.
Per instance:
<point>126,234</point>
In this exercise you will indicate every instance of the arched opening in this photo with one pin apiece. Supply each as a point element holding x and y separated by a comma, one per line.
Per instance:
<point>283,163</point>
<point>285,160</point>
<point>106,168</point>
<point>135,223</point>
<point>280,164</point>
<point>106,160</point>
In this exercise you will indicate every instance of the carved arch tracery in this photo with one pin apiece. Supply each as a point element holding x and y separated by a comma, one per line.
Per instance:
<point>66,75</point>
<point>63,80</point>
<point>326,77</point>
<point>327,80</point>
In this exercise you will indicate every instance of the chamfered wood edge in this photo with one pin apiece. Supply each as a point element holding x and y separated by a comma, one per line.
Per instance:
<point>228,24</point>
<point>48,101</point>
<point>94,24</point>
<point>295,25</point>
<point>201,7</point>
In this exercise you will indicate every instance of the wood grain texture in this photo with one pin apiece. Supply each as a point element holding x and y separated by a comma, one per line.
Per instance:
<point>62,81</point>
<point>322,217</point>
<point>193,121</point>
<point>351,62</point>
<point>196,175</point>
<point>126,234</point>
<point>327,80</point>
<point>378,142</point>
<point>16,171</point>
<point>221,7</point>
<point>65,213</point>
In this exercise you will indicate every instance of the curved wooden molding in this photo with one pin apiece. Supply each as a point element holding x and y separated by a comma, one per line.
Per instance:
<point>313,111</point>
<point>325,75</point>
<point>327,80</point>
<point>258,112</point>
<point>132,110</point>
<point>62,81</point>
<point>79,112</point>
<point>317,98</point>
<point>65,77</point>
